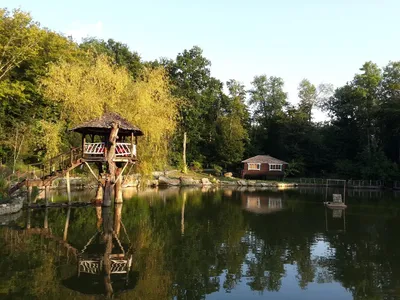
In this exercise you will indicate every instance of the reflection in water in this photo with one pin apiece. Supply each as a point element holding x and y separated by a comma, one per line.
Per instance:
<point>260,203</point>
<point>104,255</point>
<point>193,244</point>
<point>333,216</point>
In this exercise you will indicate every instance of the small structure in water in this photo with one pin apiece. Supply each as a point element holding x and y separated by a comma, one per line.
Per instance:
<point>337,202</point>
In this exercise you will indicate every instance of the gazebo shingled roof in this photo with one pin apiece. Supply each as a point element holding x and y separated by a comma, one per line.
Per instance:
<point>103,124</point>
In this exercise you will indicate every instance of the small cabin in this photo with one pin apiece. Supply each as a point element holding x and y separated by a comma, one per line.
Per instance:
<point>95,135</point>
<point>263,166</point>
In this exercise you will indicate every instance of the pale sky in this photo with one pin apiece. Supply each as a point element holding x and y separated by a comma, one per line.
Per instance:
<point>326,41</point>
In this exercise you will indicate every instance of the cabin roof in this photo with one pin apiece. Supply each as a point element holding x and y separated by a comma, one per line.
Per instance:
<point>103,124</point>
<point>264,159</point>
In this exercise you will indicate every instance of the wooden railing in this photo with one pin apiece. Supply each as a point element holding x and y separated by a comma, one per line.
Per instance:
<point>94,148</point>
<point>46,169</point>
<point>121,149</point>
<point>54,164</point>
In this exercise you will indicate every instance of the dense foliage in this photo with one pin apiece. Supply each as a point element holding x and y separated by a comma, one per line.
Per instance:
<point>49,83</point>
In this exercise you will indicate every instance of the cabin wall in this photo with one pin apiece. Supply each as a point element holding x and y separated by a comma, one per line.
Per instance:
<point>263,172</point>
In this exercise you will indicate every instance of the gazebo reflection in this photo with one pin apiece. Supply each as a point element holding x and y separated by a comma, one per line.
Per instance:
<point>261,203</point>
<point>104,264</point>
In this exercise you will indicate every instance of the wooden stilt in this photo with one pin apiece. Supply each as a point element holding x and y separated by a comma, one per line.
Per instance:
<point>68,187</point>
<point>107,192</point>
<point>47,194</point>
<point>99,193</point>
<point>29,194</point>
<point>118,184</point>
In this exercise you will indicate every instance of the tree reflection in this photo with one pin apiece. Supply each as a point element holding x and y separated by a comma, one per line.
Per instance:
<point>253,239</point>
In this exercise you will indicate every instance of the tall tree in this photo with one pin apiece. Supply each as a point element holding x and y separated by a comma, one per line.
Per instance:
<point>389,112</point>
<point>118,52</point>
<point>267,99</point>
<point>232,125</point>
<point>308,98</point>
<point>202,97</point>
<point>86,90</point>
<point>18,39</point>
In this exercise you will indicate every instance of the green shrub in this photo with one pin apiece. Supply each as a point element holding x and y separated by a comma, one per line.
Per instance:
<point>196,166</point>
<point>217,170</point>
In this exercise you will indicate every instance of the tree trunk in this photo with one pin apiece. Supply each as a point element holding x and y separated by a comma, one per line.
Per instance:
<point>118,186</point>
<point>107,229</point>
<point>112,167</point>
<point>112,143</point>
<point>107,191</point>
<point>99,193</point>
<point>184,154</point>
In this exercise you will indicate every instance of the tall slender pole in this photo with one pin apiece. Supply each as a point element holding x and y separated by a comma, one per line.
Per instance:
<point>184,153</point>
<point>46,194</point>
<point>83,144</point>
<point>68,187</point>
<point>344,193</point>
<point>132,145</point>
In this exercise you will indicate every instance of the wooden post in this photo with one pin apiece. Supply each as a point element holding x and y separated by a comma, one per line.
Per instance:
<point>112,167</point>
<point>68,187</point>
<point>118,186</point>
<point>29,195</point>
<point>46,194</point>
<point>184,153</point>
<point>111,150</point>
<point>71,159</point>
<point>132,145</point>
<point>99,193</point>
<point>107,192</point>
<point>83,144</point>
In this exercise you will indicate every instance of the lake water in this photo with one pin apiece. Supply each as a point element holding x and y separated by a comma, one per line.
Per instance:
<point>206,244</point>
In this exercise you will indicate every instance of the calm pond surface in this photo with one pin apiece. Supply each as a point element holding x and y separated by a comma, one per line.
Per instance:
<point>206,244</point>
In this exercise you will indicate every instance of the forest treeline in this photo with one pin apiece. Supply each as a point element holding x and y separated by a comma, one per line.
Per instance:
<point>49,83</point>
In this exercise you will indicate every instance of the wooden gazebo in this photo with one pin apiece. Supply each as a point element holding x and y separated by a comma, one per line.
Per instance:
<point>112,144</point>
<point>109,142</point>
<point>95,138</point>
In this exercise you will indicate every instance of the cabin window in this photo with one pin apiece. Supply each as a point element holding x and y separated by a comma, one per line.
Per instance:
<point>275,167</point>
<point>253,166</point>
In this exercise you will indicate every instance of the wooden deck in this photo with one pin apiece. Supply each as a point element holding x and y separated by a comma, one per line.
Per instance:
<point>43,174</point>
